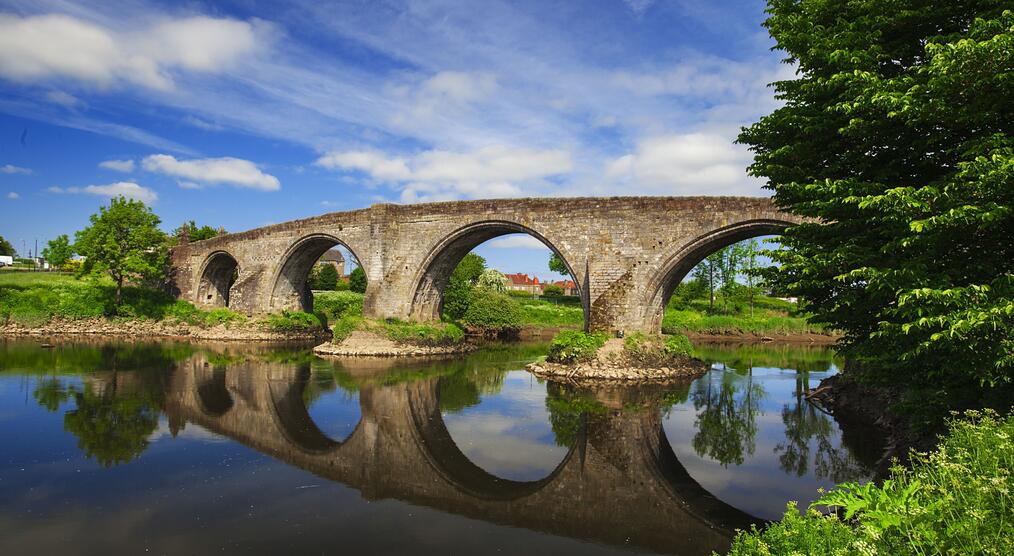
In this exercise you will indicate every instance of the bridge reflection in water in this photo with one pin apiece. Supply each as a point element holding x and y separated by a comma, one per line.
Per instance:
<point>619,483</point>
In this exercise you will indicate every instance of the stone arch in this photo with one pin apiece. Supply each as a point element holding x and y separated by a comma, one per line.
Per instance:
<point>217,276</point>
<point>293,417</point>
<point>212,393</point>
<point>676,267</point>
<point>445,457</point>
<point>289,290</point>
<point>436,269</point>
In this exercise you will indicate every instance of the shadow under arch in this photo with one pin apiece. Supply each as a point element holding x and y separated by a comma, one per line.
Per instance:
<point>289,289</point>
<point>440,262</point>
<point>683,260</point>
<point>293,417</point>
<point>444,456</point>
<point>212,393</point>
<point>218,273</point>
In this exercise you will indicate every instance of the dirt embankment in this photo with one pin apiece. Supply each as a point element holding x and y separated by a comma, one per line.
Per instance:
<point>159,329</point>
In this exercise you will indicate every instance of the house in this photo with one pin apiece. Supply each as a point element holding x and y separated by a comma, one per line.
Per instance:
<point>569,287</point>
<point>335,259</point>
<point>521,282</point>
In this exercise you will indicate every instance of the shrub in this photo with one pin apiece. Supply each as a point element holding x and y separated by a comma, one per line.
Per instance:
<point>954,500</point>
<point>345,326</point>
<point>493,312</point>
<point>553,290</point>
<point>457,295</point>
<point>224,316</point>
<point>339,304</point>
<point>438,334</point>
<point>520,293</point>
<point>289,321</point>
<point>572,346</point>
<point>493,280</point>
<point>656,350</point>
<point>357,280</point>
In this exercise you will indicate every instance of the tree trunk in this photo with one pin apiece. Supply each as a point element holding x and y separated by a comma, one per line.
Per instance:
<point>119,291</point>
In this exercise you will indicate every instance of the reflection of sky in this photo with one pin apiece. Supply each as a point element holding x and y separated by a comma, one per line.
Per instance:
<point>508,433</point>
<point>336,413</point>
<point>758,486</point>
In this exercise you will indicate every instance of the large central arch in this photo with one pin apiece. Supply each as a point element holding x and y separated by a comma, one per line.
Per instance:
<point>676,267</point>
<point>289,290</point>
<point>440,262</point>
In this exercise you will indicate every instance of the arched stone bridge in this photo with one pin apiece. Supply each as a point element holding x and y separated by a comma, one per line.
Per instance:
<point>620,483</point>
<point>626,254</point>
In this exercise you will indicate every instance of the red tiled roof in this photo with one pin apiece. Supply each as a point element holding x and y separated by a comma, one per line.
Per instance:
<point>520,279</point>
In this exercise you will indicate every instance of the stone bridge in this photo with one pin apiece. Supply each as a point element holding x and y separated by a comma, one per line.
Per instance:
<point>626,254</point>
<point>620,484</point>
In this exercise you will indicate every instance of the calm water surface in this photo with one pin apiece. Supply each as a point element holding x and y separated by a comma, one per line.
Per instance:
<point>182,449</point>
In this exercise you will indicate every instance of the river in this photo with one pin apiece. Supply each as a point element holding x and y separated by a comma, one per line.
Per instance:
<point>177,448</point>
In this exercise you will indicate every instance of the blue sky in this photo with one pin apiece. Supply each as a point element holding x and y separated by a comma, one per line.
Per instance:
<point>244,113</point>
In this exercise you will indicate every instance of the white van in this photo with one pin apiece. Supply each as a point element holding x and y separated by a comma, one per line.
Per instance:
<point>6,260</point>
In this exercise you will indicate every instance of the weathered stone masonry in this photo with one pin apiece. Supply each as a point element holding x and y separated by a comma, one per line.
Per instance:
<point>625,253</point>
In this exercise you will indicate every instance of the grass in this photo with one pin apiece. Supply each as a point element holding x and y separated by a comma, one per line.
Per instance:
<point>954,500</point>
<point>543,313</point>
<point>573,346</point>
<point>763,321</point>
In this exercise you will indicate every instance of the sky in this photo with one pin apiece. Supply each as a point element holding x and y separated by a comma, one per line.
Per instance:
<point>245,113</point>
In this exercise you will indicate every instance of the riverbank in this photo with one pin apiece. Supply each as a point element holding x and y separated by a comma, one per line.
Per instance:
<point>133,328</point>
<point>579,357</point>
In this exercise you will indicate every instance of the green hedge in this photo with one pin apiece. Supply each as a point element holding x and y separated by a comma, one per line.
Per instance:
<point>573,346</point>
<point>958,499</point>
<point>493,312</point>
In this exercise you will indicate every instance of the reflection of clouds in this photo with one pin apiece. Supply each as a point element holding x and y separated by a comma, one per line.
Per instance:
<point>190,432</point>
<point>506,433</point>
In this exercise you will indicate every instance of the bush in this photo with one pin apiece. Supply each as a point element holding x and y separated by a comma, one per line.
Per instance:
<point>457,295</point>
<point>493,312</point>
<point>573,346</point>
<point>339,304</point>
<point>357,280</point>
<point>439,334</point>
<point>345,326</point>
<point>954,500</point>
<point>323,277</point>
<point>553,290</point>
<point>656,350</point>
<point>520,293</point>
<point>290,321</point>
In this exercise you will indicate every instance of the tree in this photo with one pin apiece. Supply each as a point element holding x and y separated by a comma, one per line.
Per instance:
<point>493,280</point>
<point>553,290</point>
<point>6,248</point>
<point>557,265</point>
<point>896,138</point>
<point>123,241</point>
<point>324,277</point>
<point>711,271</point>
<point>195,233</point>
<point>458,292</point>
<point>470,268</point>
<point>357,280</point>
<point>58,251</point>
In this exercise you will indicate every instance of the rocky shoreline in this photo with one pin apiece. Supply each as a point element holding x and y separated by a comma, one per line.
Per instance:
<point>159,329</point>
<point>595,372</point>
<point>363,343</point>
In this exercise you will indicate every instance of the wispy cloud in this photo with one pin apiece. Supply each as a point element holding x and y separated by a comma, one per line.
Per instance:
<point>231,171</point>
<point>127,189</point>
<point>12,169</point>
<point>118,165</point>
<point>13,195</point>
<point>517,241</point>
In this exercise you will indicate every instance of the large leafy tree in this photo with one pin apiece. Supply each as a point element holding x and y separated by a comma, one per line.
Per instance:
<point>125,242</point>
<point>5,247</point>
<point>357,280</point>
<point>58,251</point>
<point>458,292</point>
<point>895,137</point>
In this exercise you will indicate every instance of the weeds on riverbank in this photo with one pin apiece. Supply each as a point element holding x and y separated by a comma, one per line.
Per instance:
<point>958,499</point>
<point>574,346</point>
<point>656,351</point>
<point>682,321</point>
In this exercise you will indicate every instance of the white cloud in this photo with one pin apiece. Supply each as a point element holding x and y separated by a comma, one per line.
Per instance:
<point>494,171</point>
<point>66,100</point>
<point>13,196</point>
<point>517,242</point>
<point>40,47</point>
<point>687,164</point>
<point>639,6</point>
<point>232,171</point>
<point>12,169</point>
<point>189,185</point>
<point>202,124</point>
<point>118,165</point>
<point>127,189</point>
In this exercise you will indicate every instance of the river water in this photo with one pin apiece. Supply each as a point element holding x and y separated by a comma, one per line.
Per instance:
<point>174,448</point>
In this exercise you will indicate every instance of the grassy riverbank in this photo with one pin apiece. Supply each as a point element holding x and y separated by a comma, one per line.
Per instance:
<point>767,316</point>
<point>33,299</point>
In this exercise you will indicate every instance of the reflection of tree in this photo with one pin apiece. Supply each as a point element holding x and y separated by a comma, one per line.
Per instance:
<point>726,419</point>
<point>50,393</point>
<point>465,389</point>
<point>804,423</point>
<point>112,429</point>
<point>567,412</point>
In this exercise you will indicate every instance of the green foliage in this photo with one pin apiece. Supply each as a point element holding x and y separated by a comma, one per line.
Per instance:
<point>195,233</point>
<point>336,305</point>
<point>6,248</point>
<point>557,265</point>
<point>656,350</point>
<point>291,321</point>
<point>520,293</point>
<point>58,251</point>
<point>470,268</point>
<point>323,277</point>
<point>553,290</point>
<point>111,429</point>
<point>345,326</point>
<point>493,280</point>
<point>567,413</point>
<point>439,334</point>
<point>357,280</point>
<point>493,312</point>
<point>123,241</point>
<point>540,312</point>
<point>457,296</point>
<point>572,346</point>
<point>676,322</point>
<point>896,138</point>
<point>954,500</point>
